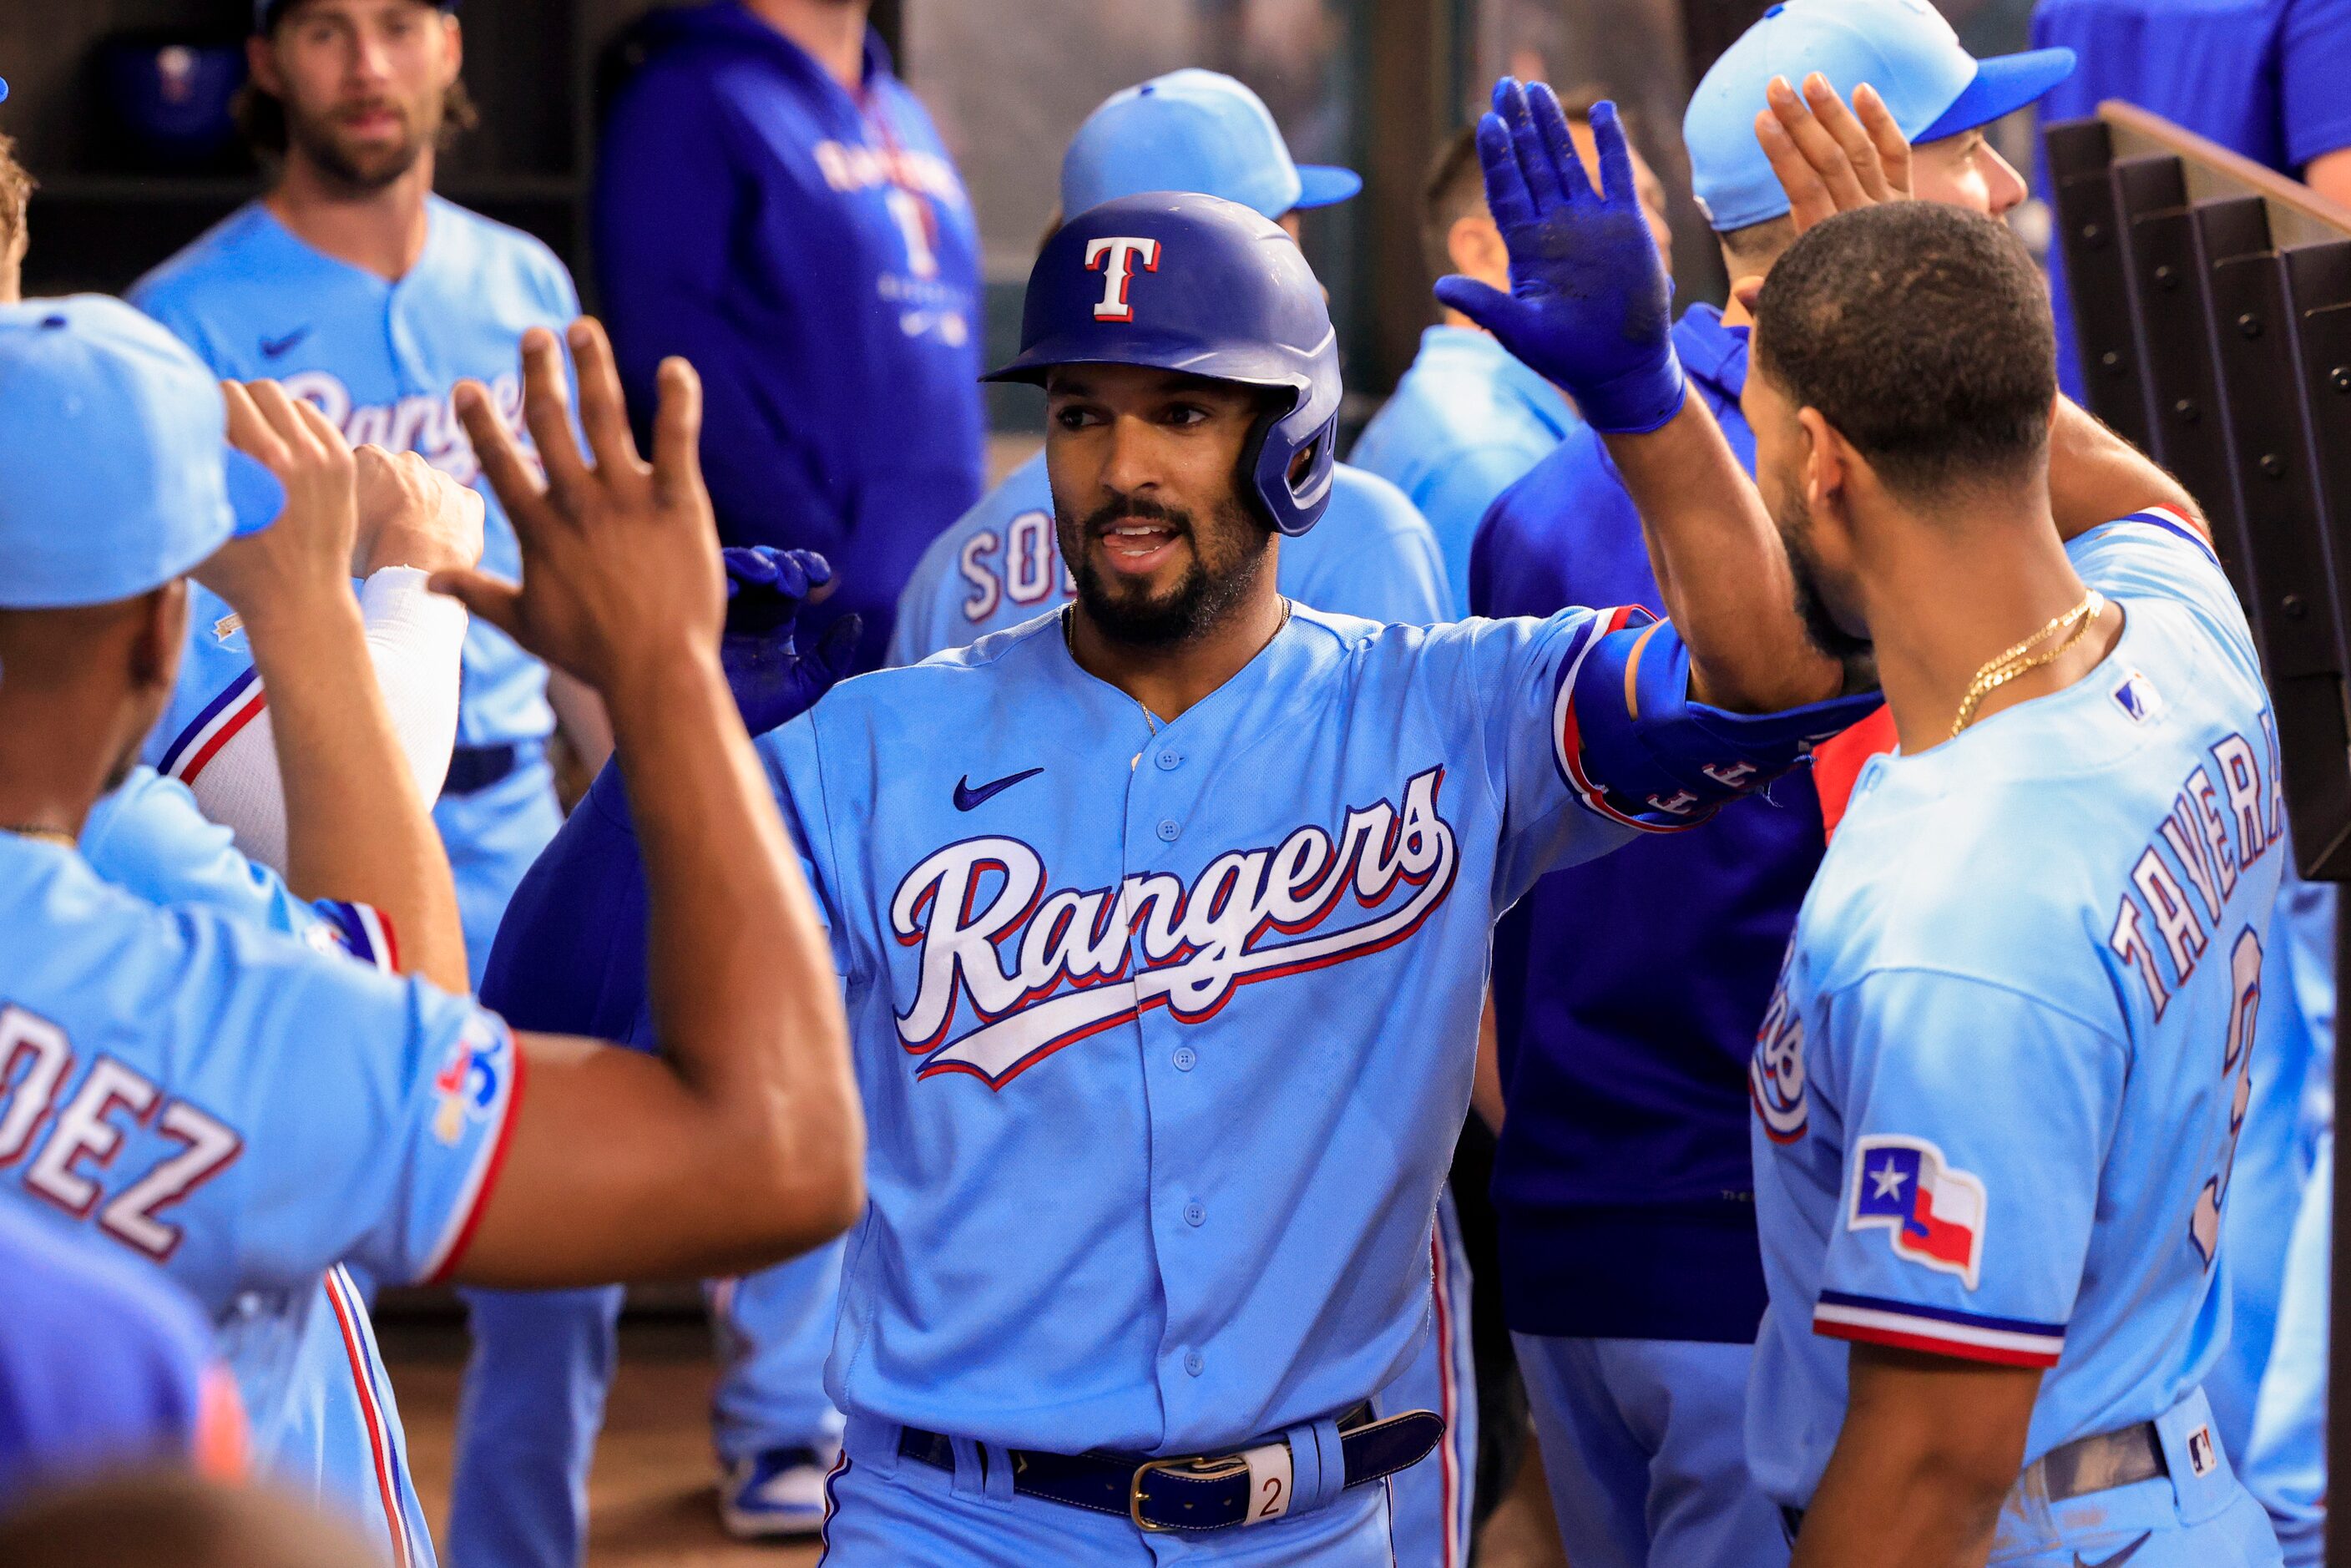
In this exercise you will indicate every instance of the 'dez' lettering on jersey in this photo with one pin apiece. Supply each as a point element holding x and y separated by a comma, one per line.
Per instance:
<point>1085,960</point>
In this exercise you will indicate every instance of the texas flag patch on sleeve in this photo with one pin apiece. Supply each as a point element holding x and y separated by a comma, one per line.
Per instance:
<point>1934,1210</point>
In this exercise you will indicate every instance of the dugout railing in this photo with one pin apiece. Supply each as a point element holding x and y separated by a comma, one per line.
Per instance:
<point>2212,310</point>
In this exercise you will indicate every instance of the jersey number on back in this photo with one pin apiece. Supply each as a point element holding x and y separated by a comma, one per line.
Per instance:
<point>2236,1065</point>
<point>34,1063</point>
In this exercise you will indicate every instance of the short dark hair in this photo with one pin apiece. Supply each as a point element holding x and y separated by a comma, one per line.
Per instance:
<point>1455,183</point>
<point>1922,333</point>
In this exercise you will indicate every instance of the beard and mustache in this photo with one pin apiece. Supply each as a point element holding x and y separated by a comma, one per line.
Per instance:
<point>1794,522</point>
<point>1227,561</point>
<point>360,169</point>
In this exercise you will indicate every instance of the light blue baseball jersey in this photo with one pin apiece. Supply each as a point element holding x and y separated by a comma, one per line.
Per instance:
<point>165,1083</point>
<point>1464,425</point>
<point>323,1418</point>
<point>1372,555</point>
<point>1164,1031</point>
<point>379,360</point>
<point>1997,1095</point>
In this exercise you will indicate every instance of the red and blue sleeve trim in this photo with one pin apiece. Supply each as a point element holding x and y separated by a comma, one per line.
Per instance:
<point>2171,522</point>
<point>1567,730</point>
<point>363,932</point>
<point>238,703</point>
<point>1938,1331</point>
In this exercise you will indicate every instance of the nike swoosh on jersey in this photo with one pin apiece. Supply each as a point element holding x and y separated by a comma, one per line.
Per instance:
<point>275,348</point>
<point>967,798</point>
<point>2119,1558</point>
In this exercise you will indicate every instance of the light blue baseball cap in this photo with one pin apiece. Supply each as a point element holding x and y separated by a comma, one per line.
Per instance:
<point>1904,49</point>
<point>116,474</point>
<point>1195,130</point>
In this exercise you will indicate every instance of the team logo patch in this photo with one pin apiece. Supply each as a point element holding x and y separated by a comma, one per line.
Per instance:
<point>2138,698</point>
<point>472,1080</point>
<point>1934,1210</point>
<point>1116,258</point>
<point>1775,1073</point>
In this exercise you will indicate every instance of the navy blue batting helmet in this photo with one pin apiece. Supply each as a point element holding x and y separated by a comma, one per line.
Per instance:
<point>1203,285</point>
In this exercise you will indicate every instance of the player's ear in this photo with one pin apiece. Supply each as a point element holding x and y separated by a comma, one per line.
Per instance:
<point>158,626</point>
<point>1827,459</point>
<point>456,62</point>
<point>261,65</point>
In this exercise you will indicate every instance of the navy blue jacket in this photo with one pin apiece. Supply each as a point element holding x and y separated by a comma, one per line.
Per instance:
<point>812,252</point>
<point>1628,991</point>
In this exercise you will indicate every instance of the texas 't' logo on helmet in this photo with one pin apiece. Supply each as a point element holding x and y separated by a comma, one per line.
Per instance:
<point>1115,257</point>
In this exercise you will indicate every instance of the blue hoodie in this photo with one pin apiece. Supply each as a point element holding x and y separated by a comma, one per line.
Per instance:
<point>812,252</point>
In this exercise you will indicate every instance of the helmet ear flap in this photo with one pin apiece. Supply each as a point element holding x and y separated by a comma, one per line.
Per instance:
<point>1287,497</point>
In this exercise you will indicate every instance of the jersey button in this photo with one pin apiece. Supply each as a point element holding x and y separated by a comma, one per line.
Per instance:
<point>1168,830</point>
<point>1193,1363</point>
<point>1171,760</point>
<point>1195,1215</point>
<point>1185,1057</point>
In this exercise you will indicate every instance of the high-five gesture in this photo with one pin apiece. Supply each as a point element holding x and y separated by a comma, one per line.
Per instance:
<point>1590,306</point>
<point>1831,159</point>
<point>619,558</point>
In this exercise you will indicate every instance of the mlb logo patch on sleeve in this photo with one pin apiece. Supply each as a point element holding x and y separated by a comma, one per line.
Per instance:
<point>1935,1211</point>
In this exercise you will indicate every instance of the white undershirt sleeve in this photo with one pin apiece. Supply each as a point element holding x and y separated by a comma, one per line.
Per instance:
<point>414,638</point>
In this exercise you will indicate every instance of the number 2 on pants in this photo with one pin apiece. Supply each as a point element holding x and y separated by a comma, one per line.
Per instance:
<point>2236,1063</point>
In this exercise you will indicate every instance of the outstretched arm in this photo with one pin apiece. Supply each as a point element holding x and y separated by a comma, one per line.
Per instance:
<point>1589,309</point>
<point>742,1142</point>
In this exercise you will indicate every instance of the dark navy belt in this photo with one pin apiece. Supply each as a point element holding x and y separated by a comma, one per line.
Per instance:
<point>474,769</point>
<point>1192,1491</point>
<point>2096,1463</point>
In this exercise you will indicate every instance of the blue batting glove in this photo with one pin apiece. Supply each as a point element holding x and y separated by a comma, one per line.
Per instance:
<point>1589,308</point>
<point>772,680</point>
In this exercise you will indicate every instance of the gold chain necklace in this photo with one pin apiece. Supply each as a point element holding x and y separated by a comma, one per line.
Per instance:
<point>46,835</point>
<point>2002,668</point>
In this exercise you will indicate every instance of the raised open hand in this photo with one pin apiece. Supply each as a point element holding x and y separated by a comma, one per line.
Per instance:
<point>303,560</point>
<point>772,680</point>
<point>1831,159</point>
<point>1590,307</point>
<point>619,558</point>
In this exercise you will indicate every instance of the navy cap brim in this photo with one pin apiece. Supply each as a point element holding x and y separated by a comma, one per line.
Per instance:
<point>2003,84</point>
<point>1326,185</point>
<point>254,496</point>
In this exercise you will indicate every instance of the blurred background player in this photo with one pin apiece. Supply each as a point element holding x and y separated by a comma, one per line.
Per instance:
<point>168,1519</point>
<point>1624,1183</point>
<point>1468,420</point>
<point>1372,555</point>
<point>2285,1450</point>
<point>104,1365</point>
<point>772,204</point>
<point>2264,78</point>
<point>371,297</point>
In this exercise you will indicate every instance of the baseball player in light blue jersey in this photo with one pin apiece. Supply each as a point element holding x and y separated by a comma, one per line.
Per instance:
<point>162,1084</point>
<point>1998,1096</point>
<point>2285,1459</point>
<point>1152,1187</point>
<point>1372,556</point>
<point>371,298</point>
<point>1151,1184</point>
<point>2292,1082</point>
